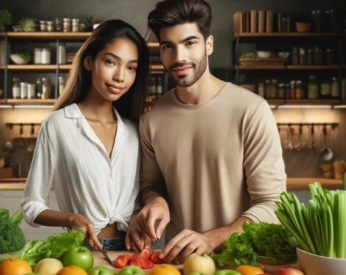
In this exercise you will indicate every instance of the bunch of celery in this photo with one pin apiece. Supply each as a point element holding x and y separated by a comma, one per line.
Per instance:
<point>321,228</point>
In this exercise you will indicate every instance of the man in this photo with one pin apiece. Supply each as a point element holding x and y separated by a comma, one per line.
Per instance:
<point>211,153</point>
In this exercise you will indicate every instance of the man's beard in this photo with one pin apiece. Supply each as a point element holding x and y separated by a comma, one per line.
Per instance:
<point>187,81</point>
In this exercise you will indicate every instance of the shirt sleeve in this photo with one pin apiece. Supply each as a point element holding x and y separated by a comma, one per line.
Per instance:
<point>264,167</point>
<point>150,173</point>
<point>39,180</point>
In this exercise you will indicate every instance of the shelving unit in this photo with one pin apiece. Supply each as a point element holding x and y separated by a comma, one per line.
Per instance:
<point>57,38</point>
<point>285,69</point>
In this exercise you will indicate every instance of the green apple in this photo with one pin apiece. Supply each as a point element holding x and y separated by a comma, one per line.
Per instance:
<point>131,270</point>
<point>79,256</point>
<point>227,272</point>
<point>197,273</point>
<point>100,270</point>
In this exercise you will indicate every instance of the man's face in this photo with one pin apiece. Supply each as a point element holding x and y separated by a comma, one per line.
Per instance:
<point>184,53</point>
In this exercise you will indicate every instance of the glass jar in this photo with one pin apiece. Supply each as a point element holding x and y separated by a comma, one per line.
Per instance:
<point>274,88</point>
<point>43,26</point>
<point>58,25</point>
<point>326,89</point>
<point>75,25</point>
<point>281,90</point>
<point>295,56</point>
<point>318,56</point>
<point>45,56</point>
<point>302,56</point>
<point>299,90</point>
<point>31,90</point>
<point>38,87</point>
<point>16,88</point>
<point>267,89</point>
<point>62,54</point>
<point>312,88</point>
<point>62,82</point>
<point>260,89</point>
<point>67,26</point>
<point>50,26</point>
<point>309,57</point>
<point>330,57</point>
<point>46,88</point>
<point>292,89</point>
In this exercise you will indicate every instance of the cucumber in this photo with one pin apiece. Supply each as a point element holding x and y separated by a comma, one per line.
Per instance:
<point>17,217</point>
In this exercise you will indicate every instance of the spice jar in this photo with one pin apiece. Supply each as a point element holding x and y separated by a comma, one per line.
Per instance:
<point>75,25</point>
<point>50,26</point>
<point>43,26</point>
<point>293,90</point>
<point>326,89</point>
<point>62,82</point>
<point>38,88</point>
<point>260,89</point>
<point>309,57</point>
<point>46,88</point>
<point>274,88</point>
<point>335,88</point>
<point>318,56</point>
<point>330,57</point>
<point>62,54</point>
<point>67,27</point>
<point>281,90</point>
<point>58,25</point>
<point>312,88</point>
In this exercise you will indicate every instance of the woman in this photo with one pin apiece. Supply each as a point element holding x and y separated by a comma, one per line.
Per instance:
<point>88,148</point>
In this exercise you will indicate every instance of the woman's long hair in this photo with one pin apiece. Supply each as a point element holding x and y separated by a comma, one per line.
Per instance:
<point>132,103</point>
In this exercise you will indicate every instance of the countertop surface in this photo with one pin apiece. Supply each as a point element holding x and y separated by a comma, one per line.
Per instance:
<point>292,184</point>
<point>99,260</point>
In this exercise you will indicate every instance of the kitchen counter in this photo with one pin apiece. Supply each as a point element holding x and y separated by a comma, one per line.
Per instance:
<point>292,184</point>
<point>99,260</point>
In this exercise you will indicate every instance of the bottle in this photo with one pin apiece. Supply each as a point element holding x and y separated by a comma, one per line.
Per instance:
<point>293,90</point>
<point>309,57</point>
<point>326,89</point>
<point>302,56</point>
<point>274,88</point>
<point>312,87</point>
<point>335,88</point>
<point>62,82</point>
<point>46,88</point>
<point>295,56</point>
<point>159,88</point>
<point>300,90</point>
<point>267,89</point>
<point>281,91</point>
<point>152,87</point>
<point>16,88</point>
<point>38,88</point>
<point>62,54</point>
<point>260,89</point>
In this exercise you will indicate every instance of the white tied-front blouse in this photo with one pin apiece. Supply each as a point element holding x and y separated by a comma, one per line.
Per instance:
<point>70,157</point>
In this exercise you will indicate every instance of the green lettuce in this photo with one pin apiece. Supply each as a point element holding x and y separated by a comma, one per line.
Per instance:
<point>53,247</point>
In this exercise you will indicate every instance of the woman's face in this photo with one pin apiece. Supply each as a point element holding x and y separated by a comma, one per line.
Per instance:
<point>114,68</point>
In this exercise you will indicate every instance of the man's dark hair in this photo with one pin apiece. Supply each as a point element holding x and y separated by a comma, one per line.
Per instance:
<point>169,13</point>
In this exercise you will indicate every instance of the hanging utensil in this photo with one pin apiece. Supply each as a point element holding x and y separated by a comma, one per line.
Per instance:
<point>312,137</point>
<point>326,153</point>
<point>299,144</point>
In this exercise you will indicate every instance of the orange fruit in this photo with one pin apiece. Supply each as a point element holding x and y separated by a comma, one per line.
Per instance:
<point>249,270</point>
<point>14,267</point>
<point>72,270</point>
<point>164,269</point>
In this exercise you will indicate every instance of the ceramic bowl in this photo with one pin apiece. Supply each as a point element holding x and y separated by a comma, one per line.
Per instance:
<point>312,264</point>
<point>303,27</point>
<point>20,59</point>
<point>263,54</point>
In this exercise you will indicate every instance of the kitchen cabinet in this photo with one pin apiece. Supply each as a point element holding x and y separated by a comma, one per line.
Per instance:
<point>28,41</point>
<point>254,70</point>
<point>11,198</point>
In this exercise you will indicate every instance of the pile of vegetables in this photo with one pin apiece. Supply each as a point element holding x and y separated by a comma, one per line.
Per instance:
<point>262,239</point>
<point>53,247</point>
<point>321,228</point>
<point>11,235</point>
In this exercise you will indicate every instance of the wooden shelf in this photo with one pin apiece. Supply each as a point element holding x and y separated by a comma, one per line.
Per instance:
<point>313,67</point>
<point>303,183</point>
<point>313,101</point>
<point>31,101</point>
<point>287,34</point>
<point>260,67</point>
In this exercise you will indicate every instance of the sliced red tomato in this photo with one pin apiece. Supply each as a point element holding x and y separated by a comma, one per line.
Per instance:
<point>122,261</point>
<point>145,253</point>
<point>136,260</point>
<point>155,258</point>
<point>146,263</point>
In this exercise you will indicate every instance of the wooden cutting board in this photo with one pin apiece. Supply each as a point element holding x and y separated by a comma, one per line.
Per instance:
<point>99,260</point>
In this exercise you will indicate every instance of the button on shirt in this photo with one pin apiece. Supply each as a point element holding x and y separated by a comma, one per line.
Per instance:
<point>70,157</point>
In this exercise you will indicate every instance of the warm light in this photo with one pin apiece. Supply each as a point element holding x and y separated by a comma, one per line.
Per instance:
<point>340,106</point>
<point>5,106</point>
<point>33,106</point>
<point>273,106</point>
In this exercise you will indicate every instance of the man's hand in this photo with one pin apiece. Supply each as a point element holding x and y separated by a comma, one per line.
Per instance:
<point>186,243</point>
<point>136,239</point>
<point>78,221</point>
<point>154,213</point>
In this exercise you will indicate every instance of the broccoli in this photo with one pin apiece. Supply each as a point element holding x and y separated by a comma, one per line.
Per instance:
<point>11,235</point>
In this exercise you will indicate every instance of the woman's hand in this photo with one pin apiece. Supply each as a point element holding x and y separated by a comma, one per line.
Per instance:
<point>78,221</point>
<point>136,239</point>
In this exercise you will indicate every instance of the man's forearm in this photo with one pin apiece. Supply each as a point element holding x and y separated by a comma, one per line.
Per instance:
<point>219,235</point>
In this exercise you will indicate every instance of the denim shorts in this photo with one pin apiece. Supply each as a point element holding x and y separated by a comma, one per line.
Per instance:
<point>115,243</point>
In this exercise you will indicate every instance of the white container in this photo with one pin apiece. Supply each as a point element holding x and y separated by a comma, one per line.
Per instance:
<point>62,54</point>
<point>31,90</point>
<point>23,90</point>
<point>45,56</point>
<point>38,56</point>
<point>312,264</point>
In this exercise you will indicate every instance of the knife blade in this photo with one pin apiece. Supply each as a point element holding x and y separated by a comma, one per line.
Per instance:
<point>105,254</point>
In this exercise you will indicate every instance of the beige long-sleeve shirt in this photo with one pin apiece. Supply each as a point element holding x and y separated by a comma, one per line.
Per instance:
<point>218,160</point>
